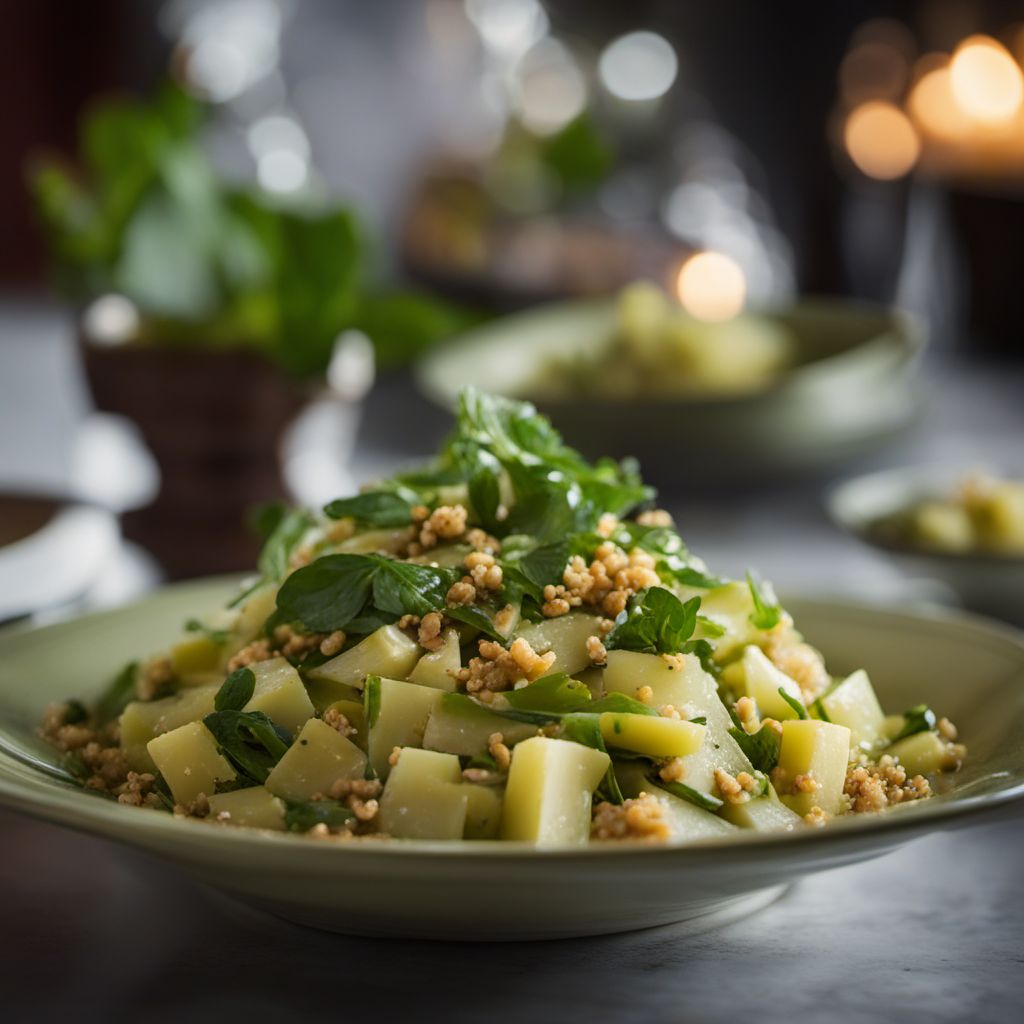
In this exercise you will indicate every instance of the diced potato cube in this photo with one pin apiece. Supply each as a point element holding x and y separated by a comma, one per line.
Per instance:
<point>323,693</point>
<point>196,660</point>
<point>687,821</point>
<point>396,716</point>
<point>254,612</point>
<point>483,811</point>
<point>424,797</point>
<point>458,725</point>
<point>730,607</point>
<point>355,712</point>
<point>548,796</point>
<point>141,721</point>
<point>385,652</point>
<point>316,760</point>
<point>190,761</point>
<point>853,703</point>
<point>762,814</point>
<point>924,753</point>
<point>280,695</point>
<point>566,635</point>
<point>693,693</point>
<point>815,754</point>
<point>756,677</point>
<point>651,735</point>
<point>438,668</point>
<point>944,525</point>
<point>255,807</point>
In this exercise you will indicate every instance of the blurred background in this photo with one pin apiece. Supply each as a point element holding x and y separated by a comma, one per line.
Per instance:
<point>254,247</point>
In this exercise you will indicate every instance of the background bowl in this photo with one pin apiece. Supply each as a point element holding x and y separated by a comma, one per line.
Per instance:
<point>510,891</point>
<point>852,389</point>
<point>982,581</point>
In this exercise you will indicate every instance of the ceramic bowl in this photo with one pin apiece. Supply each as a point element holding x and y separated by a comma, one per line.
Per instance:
<point>983,582</point>
<point>496,890</point>
<point>851,389</point>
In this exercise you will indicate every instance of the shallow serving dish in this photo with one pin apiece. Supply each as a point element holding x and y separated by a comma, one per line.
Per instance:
<point>971,669</point>
<point>985,582</point>
<point>851,389</point>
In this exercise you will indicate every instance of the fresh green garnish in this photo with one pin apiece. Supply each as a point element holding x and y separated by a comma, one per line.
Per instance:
<point>761,747</point>
<point>555,693</point>
<point>655,622</point>
<point>333,591</point>
<point>705,801</point>
<point>236,691</point>
<point>373,508</point>
<point>118,694</point>
<point>215,636</point>
<point>767,613</point>
<point>796,705</point>
<point>289,529</point>
<point>476,617</point>
<point>620,704</point>
<point>371,700</point>
<point>919,718</point>
<point>585,728</point>
<point>249,740</point>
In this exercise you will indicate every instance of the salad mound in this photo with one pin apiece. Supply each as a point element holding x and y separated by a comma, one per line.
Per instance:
<point>508,644</point>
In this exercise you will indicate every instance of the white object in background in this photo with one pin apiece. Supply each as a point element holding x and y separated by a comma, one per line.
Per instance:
<point>111,465</point>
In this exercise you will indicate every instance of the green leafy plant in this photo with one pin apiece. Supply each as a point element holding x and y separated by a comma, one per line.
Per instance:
<point>209,263</point>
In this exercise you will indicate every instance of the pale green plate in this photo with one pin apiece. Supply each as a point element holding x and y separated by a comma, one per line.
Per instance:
<point>969,669</point>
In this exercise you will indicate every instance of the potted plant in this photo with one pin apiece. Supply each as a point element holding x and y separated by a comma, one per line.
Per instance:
<point>208,313</point>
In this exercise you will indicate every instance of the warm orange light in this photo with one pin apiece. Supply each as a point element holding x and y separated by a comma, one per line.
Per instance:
<point>932,106</point>
<point>986,81</point>
<point>881,140</point>
<point>711,286</point>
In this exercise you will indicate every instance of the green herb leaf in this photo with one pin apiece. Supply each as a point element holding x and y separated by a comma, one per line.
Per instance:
<point>329,592</point>
<point>249,740</point>
<point>545,564</point>
<point>275,558</point>
<point>485,495</point>
<point>919,718</point>
<point>585,728</point>
<point>371,700</point>
<point>705,801</point>
<point>767,613</point>
<point>406,588</point>
<point>118,694</point>
<point>476,617</point>
<point>761,747</point>
<point>798,706</point>
<point>374,508</point>
<point>655,622</point>
<point>236,691</point>
<point>620,704</point>
<point>216,636</point>
<point>302,816</point>
<point>555,693</point>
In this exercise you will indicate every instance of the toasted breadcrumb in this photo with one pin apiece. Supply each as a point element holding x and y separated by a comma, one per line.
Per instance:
<point>801,662</point>
<point>498,669</point>
<point>154,678</point>
<point>504,618</point>
<point>430,635</point>
<point>396,753</point>
<point>655,517</point>
<point>337,721</point>
<point>947,730</point>
<point>480,540</point>
<point>497,749</point>
<point>735,789</point>
<point>198,808</point>
<point>673,771</point>
<point>645,695</point>
<point>251,654</point>
<point>484,572</point>
<point>872,788</point>
<point>670,711</point>
<point>447,522</point>
<point>333,643</point>
<point>293,644</point>
<point>746,712</point>
<point>462,592</point>
<point>642,818</point>
<point>596,650</point>
<point>674,662</point>
<point>816,817</point>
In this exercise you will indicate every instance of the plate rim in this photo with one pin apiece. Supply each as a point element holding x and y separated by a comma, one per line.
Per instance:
<point>70,806</point>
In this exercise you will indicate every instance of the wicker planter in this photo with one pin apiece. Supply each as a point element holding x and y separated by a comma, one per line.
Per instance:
<point>214,422</point>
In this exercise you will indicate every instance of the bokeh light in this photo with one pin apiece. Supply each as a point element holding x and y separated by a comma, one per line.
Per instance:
<point>987,82</point>
<point>711,286</point>
<point>638,66</point>
<point>931,101</point>
<point>881,140</point>
<point>111,320</point>
<point>549,88</point>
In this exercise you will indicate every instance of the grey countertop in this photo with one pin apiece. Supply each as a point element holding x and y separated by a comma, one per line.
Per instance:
<point>932,932</point>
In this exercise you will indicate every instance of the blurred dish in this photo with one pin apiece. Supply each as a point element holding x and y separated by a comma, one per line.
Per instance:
<point>507,891</point>
<point>50,553</point>
<point>850,387</point>
<point>908,514</point>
